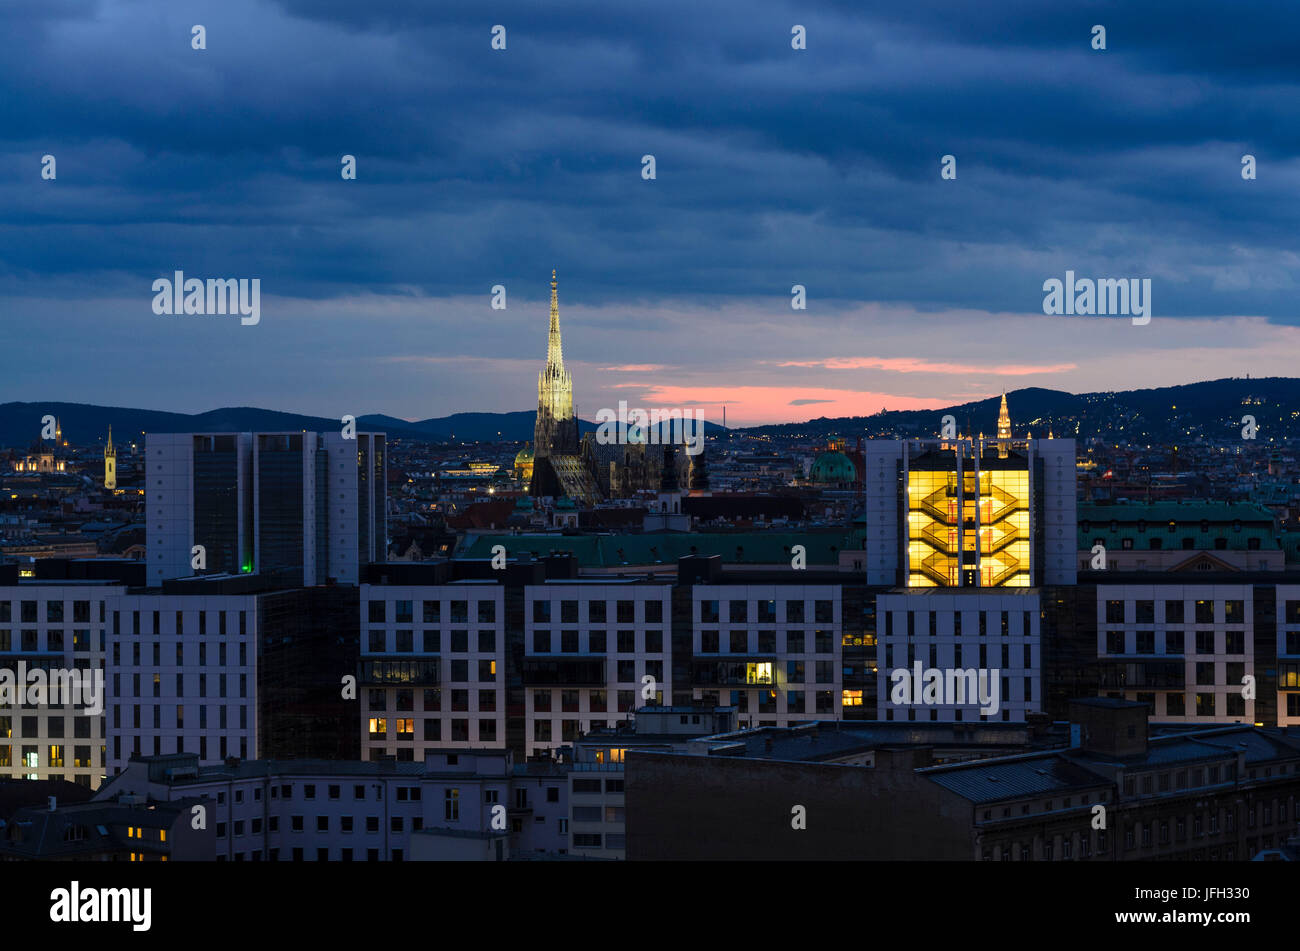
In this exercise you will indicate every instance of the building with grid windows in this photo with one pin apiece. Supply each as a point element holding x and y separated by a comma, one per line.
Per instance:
<point>956,632</point>
<point>594,651</point>
<point>432,673</point>
<point>53,625</point>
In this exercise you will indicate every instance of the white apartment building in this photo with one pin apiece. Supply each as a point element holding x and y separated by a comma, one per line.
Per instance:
<point>996,631</point>
<point>1288,651</point>
<point>773,651</point>
<point>55,626</point>
<point>594,651</point>
<point>1183,649</point>
<point>432,668</point>
<point>181,676</point>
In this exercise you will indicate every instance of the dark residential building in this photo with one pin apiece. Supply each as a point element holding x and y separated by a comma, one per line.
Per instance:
<point>1111,793</point>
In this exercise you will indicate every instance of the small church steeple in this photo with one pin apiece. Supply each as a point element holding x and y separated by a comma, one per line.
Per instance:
<point>110,462</point>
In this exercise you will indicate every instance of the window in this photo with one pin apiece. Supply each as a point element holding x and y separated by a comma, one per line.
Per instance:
<point>451,804</point>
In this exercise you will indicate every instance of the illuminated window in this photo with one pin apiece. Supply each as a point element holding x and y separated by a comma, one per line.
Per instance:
<point>378,727</point>
<point>852,698</point>
<point>130,832</point>
<point>758,672</point>
<point>162,835</point>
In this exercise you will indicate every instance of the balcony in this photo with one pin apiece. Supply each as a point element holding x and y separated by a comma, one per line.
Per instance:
<point>756,671</point>
<point>401,673</point>
<point>1143,675</point>
<point>564,672</point>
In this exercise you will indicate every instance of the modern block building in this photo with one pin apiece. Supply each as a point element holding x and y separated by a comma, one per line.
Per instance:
<point>594,651</point>
<point>995,635</point>
<point>52,626</point>
<point>433,668</point>
<point>771,651</point>
<point>971,512</point>
<point>311,502</point>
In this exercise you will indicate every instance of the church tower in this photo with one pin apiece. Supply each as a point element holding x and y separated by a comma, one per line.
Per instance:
<point>556,430</point>
<point>1004,429</point>
<point>555,434</point>
<point>110,462</point>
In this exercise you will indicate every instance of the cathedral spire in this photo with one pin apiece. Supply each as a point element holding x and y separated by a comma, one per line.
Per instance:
<point>554,351</point>
<point>556,430</point>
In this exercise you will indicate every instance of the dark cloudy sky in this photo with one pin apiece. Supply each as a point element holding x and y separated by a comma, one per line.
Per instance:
<point>775,167</point>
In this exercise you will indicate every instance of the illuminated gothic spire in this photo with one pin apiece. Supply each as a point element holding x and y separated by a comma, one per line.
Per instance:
<point>554,351</point>
<point>556,431</point>
<point>1004,420</point>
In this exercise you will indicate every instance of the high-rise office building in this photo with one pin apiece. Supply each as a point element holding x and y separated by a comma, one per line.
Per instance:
<point>311,502</point>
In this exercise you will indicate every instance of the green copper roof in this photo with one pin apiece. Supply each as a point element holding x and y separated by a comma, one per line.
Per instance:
<point>832,467</point>
<point>1141,522</point>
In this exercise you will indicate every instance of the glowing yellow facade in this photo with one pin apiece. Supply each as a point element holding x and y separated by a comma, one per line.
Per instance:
<point>968,529</point>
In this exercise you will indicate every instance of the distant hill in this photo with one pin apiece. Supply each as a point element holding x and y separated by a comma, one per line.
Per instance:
<point>1213,408</point>
<point>87,425</point>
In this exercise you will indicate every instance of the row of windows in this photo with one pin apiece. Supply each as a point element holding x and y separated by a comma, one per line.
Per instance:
<point>1119,611</point>
<point>1156,543</point>
<point>322,855</point>
<point>1202,705</point>
<point>333,792</point>
<point>56,756</point>
<point>197,651</point>
<point>180,716</point>
<point>344,824</point>
<point>1144,642</point>
<point>177,744</point>
<point>55,726</point>
<point>402,729</point>
<point>1202,824</point>
<point>431,612</point>
<point>1087,848</point>
<point>29,640</point>
<point>1150,783</point>
<point>792,612</point>
<point>985,620</point>
<point>764,642</point>
<point>55,612</point>
<point>179,680</point>
<point>179,627</point>
<point>903,655</point>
